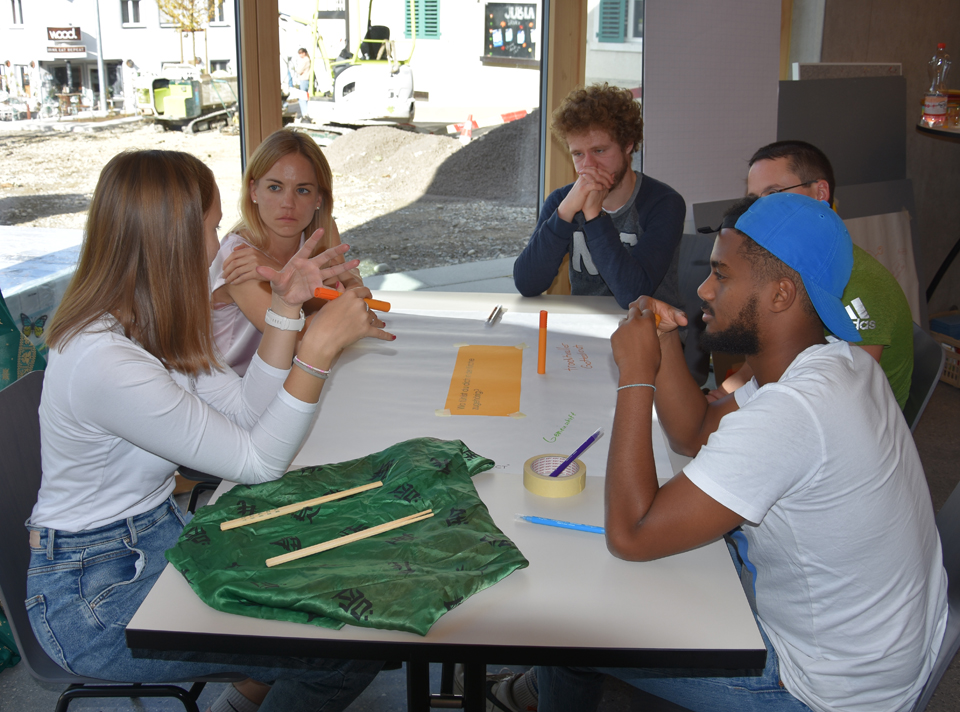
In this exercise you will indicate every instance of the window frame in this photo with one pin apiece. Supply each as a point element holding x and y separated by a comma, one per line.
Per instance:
<point>16,10</point>
<point>135,18</point>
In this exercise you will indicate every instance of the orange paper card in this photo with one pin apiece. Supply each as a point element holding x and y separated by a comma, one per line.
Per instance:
<point>486,381</point>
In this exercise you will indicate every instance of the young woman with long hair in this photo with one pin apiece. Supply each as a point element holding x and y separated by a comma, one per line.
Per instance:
<point>135,387</point>
<point>286,195</point>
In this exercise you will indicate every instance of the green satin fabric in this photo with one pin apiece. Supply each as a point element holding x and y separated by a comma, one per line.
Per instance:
<point>403,579</point>
<point>18,356</point>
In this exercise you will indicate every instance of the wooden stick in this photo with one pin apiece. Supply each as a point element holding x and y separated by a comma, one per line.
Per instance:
<point>350,538</point>
<point>296,507</point>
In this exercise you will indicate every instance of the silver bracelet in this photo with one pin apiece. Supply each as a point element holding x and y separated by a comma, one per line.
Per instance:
<point>284,323</point>
<point>638,385</point>
<point>312,370</point>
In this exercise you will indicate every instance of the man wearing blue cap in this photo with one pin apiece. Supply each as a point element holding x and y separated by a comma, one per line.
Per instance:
<point>873,299</point>
<point>837,545</point>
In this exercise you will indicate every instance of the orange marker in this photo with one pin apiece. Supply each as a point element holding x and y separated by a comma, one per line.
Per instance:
<point>324,293</point>
<point>542,352</point>
<point>656,320</point>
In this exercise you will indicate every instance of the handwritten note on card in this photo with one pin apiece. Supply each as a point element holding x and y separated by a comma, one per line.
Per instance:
<point>486,381</point>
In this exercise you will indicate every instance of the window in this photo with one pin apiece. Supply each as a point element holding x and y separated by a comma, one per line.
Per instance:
<point>130,12</point>
<point>427,14</point>
<point>166,20</point>
<point>620,21</point>
<point>218,15</point>
<point>16,8</point>
<point>222,65</point>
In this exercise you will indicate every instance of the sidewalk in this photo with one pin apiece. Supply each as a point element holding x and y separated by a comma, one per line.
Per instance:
<point>29,256</point>
<point>66,124</point>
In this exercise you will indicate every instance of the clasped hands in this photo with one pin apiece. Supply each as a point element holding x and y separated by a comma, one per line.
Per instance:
<point>591,188</point>
<point>636,342</point>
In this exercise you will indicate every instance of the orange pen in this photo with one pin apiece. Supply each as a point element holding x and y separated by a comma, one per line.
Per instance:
<point>542,352</point>
<point>324,293</point>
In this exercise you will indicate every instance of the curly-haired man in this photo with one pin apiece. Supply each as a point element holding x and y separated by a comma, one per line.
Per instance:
<point>620,227</point>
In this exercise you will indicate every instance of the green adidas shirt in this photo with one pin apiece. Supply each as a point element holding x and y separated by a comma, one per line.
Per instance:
<point>880,312</point>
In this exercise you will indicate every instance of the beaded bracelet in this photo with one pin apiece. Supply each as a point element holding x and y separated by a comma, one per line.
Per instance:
<point>637,385</point>
<point>312,370</point>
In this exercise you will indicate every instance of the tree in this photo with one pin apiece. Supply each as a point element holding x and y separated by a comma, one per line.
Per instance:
<point>189,16</point>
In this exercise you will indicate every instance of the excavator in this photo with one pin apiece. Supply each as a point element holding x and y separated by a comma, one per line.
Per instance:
<point>370,82</point>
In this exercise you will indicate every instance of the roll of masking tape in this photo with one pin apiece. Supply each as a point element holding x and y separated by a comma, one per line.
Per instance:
<point>536,476</point>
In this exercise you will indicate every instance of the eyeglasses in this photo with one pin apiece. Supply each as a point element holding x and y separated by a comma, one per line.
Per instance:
<point>784,190</point>
<point>707,230</point>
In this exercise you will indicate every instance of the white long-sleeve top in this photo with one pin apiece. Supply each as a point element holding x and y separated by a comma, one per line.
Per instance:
<point>115,424</point>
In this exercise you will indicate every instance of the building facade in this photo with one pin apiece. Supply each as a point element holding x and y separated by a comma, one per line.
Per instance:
<point>53,52</point>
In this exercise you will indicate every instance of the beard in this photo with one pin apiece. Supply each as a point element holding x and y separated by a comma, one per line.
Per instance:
<point>621,173</point>
<point>741,337</point>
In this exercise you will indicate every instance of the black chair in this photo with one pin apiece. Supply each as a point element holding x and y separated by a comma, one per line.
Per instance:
<point>948,524</point>
<point>205,483</point>
<point>20,479</point>
<point>928,360</point>
<point>374,41</point>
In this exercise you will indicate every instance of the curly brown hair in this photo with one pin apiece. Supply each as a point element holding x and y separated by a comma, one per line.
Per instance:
<point>600,106</point>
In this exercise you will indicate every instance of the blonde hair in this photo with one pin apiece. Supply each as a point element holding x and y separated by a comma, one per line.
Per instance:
<point>144,261</point>
<point>277,145</point>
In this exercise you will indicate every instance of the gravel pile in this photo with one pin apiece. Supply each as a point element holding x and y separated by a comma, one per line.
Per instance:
<point>500,164</point>
<point>402,200</point>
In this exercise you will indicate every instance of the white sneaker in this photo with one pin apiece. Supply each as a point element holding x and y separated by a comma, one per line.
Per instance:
<point>500,690</point>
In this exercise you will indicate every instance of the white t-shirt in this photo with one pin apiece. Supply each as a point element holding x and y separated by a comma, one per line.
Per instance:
<point>235,335</point>
<point>850,585</point>
<point>115,424</point>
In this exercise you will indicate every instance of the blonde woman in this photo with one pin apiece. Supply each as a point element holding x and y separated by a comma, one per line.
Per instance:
<point>287,196</point>
<point>134,387</point>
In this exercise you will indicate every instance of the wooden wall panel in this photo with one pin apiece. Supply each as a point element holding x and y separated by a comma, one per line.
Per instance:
<point>907,32</point>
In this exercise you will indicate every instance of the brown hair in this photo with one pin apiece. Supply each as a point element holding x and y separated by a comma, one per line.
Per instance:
<point>600,106</point>
<point>144,261</point>
<point>804,160</point>
<point>277,145</point>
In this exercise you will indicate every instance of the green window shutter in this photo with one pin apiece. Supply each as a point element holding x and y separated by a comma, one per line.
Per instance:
<point>428,19</point>
<point>613,20</point>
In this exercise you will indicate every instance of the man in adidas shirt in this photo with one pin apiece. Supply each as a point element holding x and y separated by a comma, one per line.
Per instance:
<point>873,299</point>
<point>814,463</point>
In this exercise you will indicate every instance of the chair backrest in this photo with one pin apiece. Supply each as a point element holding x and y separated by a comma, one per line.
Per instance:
<point>378,34</point>
<point>20,479</point>
<point>948,524</point>
<point>928,359</point>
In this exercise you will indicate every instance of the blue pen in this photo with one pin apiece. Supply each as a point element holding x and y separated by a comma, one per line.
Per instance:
<point>560,523</point>
<point>576,453</point>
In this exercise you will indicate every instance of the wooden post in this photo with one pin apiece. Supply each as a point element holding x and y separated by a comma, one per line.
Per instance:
<point>566,70</point>
<point>260,71</point>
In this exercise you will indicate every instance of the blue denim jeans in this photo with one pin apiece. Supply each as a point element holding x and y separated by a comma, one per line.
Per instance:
<point>83,588</point>
<point>576,689</point>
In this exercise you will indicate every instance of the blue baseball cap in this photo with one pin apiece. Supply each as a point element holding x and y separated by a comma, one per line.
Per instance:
<point>807,235</point>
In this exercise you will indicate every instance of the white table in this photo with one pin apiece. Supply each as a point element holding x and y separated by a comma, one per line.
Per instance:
<point>574,604</point>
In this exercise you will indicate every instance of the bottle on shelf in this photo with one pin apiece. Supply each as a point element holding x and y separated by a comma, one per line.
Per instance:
<point>935,101</point>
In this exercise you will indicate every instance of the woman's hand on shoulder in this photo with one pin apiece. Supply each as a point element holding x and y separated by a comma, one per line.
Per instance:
<point>298,279</point>
<point>241,264</point>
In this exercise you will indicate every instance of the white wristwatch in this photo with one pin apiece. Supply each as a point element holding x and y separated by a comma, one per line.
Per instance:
<point>283,323</point>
